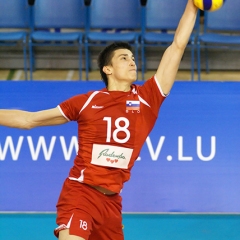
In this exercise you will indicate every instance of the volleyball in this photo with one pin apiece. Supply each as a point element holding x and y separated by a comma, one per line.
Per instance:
<point>208,5</point>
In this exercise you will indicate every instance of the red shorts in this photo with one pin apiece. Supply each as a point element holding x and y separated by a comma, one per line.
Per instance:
<point>88,213</point>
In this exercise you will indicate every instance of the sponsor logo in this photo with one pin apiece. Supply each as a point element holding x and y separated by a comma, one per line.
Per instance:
<point>97,107</point>
<point>111,156</point>
<point>116,157</point>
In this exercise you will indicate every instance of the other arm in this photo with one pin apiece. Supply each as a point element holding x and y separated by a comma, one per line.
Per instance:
<point>27,120</point>
<point>168,67</point>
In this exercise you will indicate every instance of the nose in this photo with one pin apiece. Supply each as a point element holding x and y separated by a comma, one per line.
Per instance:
<point>132,62</point>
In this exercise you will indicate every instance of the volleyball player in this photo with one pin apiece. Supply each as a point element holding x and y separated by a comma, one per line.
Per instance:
<point>113,124</point>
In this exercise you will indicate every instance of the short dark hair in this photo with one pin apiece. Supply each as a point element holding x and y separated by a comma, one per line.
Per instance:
<point>106,55</point>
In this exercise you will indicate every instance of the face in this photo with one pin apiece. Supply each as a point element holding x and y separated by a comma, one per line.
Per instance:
<point>123,66</point>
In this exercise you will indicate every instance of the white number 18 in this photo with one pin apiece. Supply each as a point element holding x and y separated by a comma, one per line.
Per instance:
<point>118,129</point>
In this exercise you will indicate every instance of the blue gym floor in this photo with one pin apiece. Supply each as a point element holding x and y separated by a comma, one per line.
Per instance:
<point>136,226</point>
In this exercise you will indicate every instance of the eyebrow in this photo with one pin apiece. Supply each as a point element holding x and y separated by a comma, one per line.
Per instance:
<point>125,54</point>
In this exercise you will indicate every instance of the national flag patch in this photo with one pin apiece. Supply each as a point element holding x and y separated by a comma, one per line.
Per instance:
<point>132,105</point>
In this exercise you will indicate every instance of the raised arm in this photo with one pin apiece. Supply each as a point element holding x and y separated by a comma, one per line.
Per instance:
<point>168,67</point>
<point>27,120</point>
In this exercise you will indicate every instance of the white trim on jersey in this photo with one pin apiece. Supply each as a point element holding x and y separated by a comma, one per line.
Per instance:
<point>143,101</point>
<point>160,89</point>
<point>69,222</point>
<point>90,99</point>
<point>81,178</point>
<point>61,111</point>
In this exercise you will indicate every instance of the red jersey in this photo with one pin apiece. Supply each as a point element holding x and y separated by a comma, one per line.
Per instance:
<point>112,127</point>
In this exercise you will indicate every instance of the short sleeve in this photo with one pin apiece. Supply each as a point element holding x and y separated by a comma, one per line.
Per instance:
<point>71,107</point>
<point>152,93</point>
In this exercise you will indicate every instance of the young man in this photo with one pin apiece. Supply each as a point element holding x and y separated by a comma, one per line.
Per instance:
<point>113,124</point>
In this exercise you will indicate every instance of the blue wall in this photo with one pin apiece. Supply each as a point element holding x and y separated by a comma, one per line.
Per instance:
<point>189,163</point>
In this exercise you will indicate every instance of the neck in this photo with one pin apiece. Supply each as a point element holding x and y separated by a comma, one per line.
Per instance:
<point>119,86</point>
<point>122,88</point>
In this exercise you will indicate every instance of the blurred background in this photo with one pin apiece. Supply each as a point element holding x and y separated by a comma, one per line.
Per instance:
<point>185,183</point>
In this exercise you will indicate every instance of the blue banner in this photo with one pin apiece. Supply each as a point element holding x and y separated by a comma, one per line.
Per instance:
<point>189,163</point>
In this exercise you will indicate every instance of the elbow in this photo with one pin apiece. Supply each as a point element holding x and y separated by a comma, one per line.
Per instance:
<point>179,45</point>
<point>180,42</point>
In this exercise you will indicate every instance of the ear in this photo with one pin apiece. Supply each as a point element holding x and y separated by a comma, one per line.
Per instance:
<point>107,70</point>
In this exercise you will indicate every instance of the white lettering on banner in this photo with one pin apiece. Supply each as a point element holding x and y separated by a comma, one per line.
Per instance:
<point>111,156</point>
<point>118,153</point>
<point>9,144</point>
<point>73,144</point>
<point>213,149</point>
<point>180,151</point>
<point>41,144</point>
<point>199,150</point>
<point>154,155</point>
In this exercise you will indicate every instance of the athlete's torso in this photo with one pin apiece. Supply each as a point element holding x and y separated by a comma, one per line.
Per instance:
<point>112,127</point>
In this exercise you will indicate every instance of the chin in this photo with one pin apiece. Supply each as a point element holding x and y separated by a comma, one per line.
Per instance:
<point>134,77</point>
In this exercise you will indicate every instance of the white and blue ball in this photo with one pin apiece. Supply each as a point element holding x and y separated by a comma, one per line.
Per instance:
<point>208,5</point>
